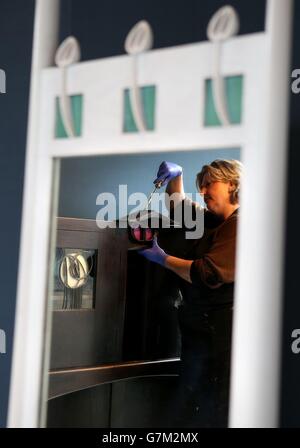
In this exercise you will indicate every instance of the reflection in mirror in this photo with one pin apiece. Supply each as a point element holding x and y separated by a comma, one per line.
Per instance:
<point>118,315</point>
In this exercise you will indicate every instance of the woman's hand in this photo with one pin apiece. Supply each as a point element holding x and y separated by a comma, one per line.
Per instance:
<point>167,171</point>
<point>154,253</point>
<point>178,265</point>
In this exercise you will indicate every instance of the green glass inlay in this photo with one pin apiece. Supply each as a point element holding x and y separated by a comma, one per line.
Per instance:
<point>76,107</point>
<point>148,102</point>
<point>234,94</point>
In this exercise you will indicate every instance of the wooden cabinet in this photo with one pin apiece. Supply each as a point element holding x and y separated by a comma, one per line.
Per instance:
<point>124,344</point>
<point>133,315</point>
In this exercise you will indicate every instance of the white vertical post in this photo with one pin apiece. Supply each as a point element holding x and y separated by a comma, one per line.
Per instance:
<point>255,380</point>
<point>24,400</point>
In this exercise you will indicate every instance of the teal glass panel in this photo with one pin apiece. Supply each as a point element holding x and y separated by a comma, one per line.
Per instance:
<point>76,107</point>
<point>234,94</point>
<point>148,101</point>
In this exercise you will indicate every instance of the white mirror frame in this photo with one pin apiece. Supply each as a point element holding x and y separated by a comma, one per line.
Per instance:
<point>263,59</point>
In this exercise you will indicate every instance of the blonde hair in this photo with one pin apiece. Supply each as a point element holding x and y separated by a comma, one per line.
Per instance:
<point>222,171</point>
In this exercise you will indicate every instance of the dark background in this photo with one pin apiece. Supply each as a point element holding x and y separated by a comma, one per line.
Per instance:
<point>101,28</point>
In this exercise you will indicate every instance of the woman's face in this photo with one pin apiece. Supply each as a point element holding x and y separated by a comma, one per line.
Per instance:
<point>217,196</point>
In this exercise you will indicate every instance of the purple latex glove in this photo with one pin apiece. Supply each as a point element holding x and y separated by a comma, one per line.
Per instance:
<point>167,171</point>
<point>154,253</point>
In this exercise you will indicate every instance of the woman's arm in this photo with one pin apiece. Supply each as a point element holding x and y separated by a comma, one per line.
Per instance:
<point>180,266</point>
<point>170,174</point>
<point>216,267</point>
<point>174,192</point>
<point>175,185</point>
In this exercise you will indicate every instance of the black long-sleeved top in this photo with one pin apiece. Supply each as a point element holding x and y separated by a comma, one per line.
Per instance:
<point>213,268</point>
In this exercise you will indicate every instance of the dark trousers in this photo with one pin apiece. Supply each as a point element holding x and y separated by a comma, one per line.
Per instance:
<point>202,392</point>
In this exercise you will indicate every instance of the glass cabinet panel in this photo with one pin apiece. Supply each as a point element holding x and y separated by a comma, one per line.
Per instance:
<point>74,279</point>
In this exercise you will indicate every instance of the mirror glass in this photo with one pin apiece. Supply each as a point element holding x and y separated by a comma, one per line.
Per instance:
<point>114,328</point>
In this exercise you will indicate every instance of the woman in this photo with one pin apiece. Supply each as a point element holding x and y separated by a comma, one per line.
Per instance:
<point>206,280</point>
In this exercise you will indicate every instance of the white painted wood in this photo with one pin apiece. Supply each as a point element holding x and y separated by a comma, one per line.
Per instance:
<point>24,399</point>
<point>179,74</point>
<point>255,387</point>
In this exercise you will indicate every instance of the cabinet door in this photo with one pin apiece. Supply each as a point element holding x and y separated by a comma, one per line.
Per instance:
<point>91,334</point>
